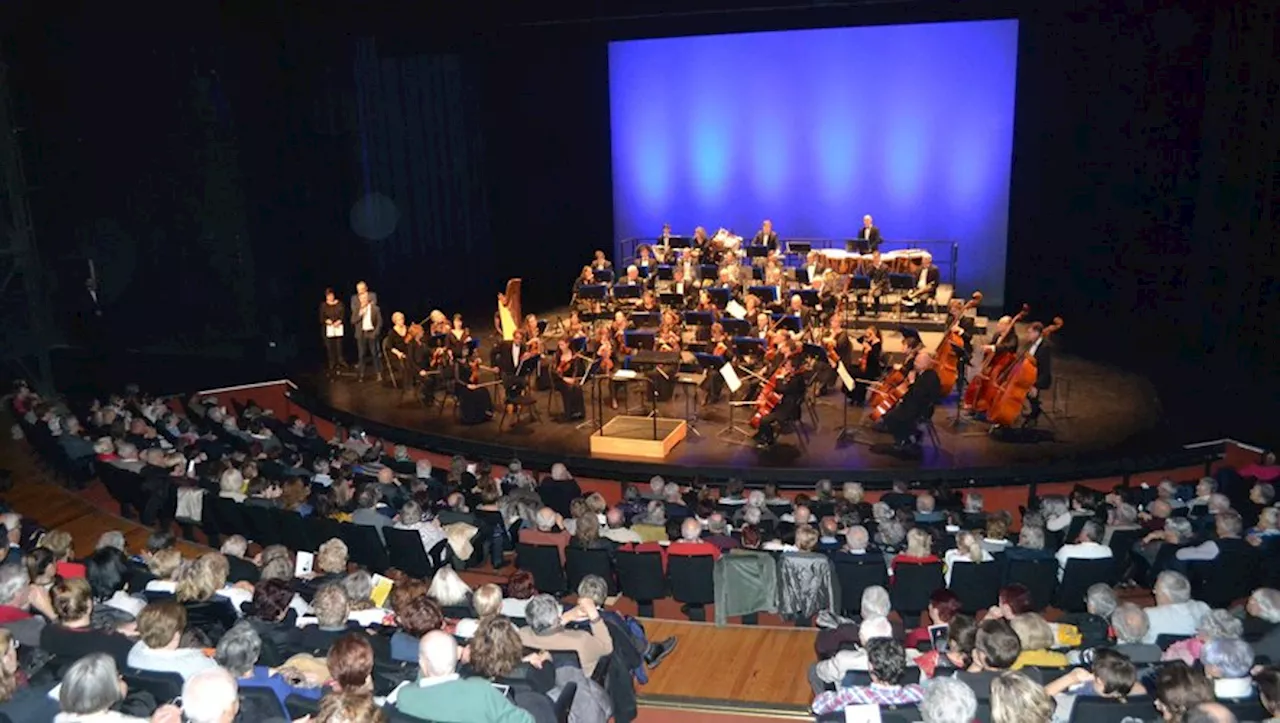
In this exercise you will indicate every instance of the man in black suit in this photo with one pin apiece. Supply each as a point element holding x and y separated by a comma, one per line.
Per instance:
<point>507,356</point>
<point>366,319</point>
<point>792,391</point>
<point>1038,348</point>
<point>868,234</point>
<point>765,236</point>
<point>927,279</point>
<point>925,392</point>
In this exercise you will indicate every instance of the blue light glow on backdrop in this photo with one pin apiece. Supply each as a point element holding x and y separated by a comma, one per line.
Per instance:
<point>814,128</point>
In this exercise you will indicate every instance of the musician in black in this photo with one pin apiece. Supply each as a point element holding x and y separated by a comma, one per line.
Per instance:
<point>873,354</point>
<point>600,262</point>
<point>508,356</point>
<point>927,280</point>
<point>790,385</point>
<point>868,235</point>
<point>332,314</point>
<point>1039,349</point>
<point>567,369</point>
<point>475,406</point>
<point>397,342</point>
<point>766,237</point>
<point>962,322</point>
<point>878,275</point>
<point>1005,338</point>
<point>924,392</point>
<point>835,342</point>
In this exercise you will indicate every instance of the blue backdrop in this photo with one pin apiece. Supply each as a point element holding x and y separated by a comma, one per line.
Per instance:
<point>814,128</point>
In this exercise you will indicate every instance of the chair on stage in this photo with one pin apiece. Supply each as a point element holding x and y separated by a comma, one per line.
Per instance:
<point>526,402</point>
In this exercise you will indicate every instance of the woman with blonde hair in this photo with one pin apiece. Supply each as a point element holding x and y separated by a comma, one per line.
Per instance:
<point>1015,698</point>
<point>497,654</point>
<point>919,550</point>
<point>59,542</point>
<point>968,549</point>
<point>164,564</point>
<point>448,589</point>
<point>331,559</point>
<point>1036,636</point>
<point>18,700</point>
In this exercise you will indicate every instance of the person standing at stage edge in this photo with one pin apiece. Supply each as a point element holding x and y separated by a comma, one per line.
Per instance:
<point>366,320</point>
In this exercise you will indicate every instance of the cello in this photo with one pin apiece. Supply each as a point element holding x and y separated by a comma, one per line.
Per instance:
<point>890,389</point>
<point>1013,387</point>
<point>978,395</point>
<point>945,355</point>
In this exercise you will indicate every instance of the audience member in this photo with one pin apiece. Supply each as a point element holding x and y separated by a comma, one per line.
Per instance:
<point>440,694</point>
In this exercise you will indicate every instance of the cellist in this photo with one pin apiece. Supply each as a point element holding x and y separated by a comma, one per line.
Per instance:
<point>1004,338</point>
<point>924,391</point>
<point>789,385</point>
<point>1040,349</point>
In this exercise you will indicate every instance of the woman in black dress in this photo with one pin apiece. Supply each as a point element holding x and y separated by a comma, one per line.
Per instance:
<point>398,349</point>
<point>475,406</point>
<point>869,366</point>
<point>566,374</point>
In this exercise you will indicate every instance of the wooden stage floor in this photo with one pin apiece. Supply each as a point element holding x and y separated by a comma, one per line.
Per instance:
<point>1101,411</point>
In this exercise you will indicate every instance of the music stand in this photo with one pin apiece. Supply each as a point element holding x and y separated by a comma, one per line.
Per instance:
<point>748,346</point>
<point>604,276</point>
<point>671,299</point>
<point>597,419</point>
<point>646,319</point>
<point>623,292</point>
<point>698,318</point>
<point>592,292</point>
<point>578,344</point>
<point>809,297</point>
<point>677,242</point>
<point>766,294</point>
<point>800,248</point>
<point>787,321</point>
<point>636,339</point>
<point>666,272</point>
<point>735,327</point>
<point>691,382</point>
<point>858,245</point>
<point>757,252</point>
<point>719,296</point>
<point>708,271</point>
<point>643,271</point>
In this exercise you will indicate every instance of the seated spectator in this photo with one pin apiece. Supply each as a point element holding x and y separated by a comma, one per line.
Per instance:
<point>944,605</point>
<point>73,636</point>
<point>214,569</point>
<point>853,494</point>
<point>1056,512</point>
<point>263,492</point>
<point>164,565</point>
<point>1035,636</point>
<point>1015,698</point>
<point>718,533</point>
<point>231,484</point>
<point>1178,689</point>
<point>1227,662</point>
<point>968,549</point>
<point>350,662</point>
<point>367,512</point>
<point>996,648</point>
<point>886,662</point>
<point>1215,625</point>
<point>925,512</point>
<point>1229,527</point>
<point>19,700</point>
<point>596,588</point>
<point>1011,600</point>
<point>1110,675</point>
<point>89,690</point>
<point>498,656</point>
<point>160,626</point>
<point>441,695</point>
<point>652,525</point>
<point>359,588</point>
<point>273,619</point>
<point>1121,517</point>
<point>330,564</point>
<point>691,543</point>
<point>1131,625</point>
<point>59,542</point>
<point>1086,547</point>
<point>448,589</point>
<point>1267,529</point>
<point>586,533</point>
<point>1262,622</point>
<point>331,609</point>
<point>962,633</point>
<point>41,567</point>
<point>17,597</point>
<point>239,568</point>
<point>413,517</point>
<point>546,630</point>
<point>829,534</point>
<point>1030,545</point>
<point>948,700</point>
<point>856,540</point>
<point>1094,623</point>
<point>214,697</point>
<point>919,549</point>
<point>240,650</point>
<point>1267,679</point>
<point>486,601</point>
<point>416,615</point>
<point>755,501</point>
<point>1158,549</point>
<point>832,670</point>
<point>616,529</point>
<point>520,590</point>
<point>1175,613</point>
<point>549,530</point>
<point>997,537</point>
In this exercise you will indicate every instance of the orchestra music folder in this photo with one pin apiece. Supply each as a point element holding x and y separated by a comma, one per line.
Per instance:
<point>677,242</point>
<point>671,299</point>
<point>604,275</point>
<point>627,291</point>
<point>666,272</point>
<point>809,297</point>
<point>736,327</point>
<point>592,292</point>
<point>767,294</point>
<point>719,296</point>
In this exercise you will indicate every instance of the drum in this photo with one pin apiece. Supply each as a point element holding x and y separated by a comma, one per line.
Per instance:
<point>841,261</point>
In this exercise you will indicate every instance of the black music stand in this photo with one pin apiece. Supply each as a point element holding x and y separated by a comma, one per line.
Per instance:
<point>672,299</point>
<point>698,318</point>
<point>719,296</point>
<point>808,297</point>
<point>597,406</point>
<point>666,272</point>
<point>735,327</point>
<point>789,322</point>
<point>962,382</point>
<point>592,292</point>
<point>646,319</point>
<point>708,271</point>
<point>766,294</point>
<point>604,276</point>
<point>757,252</point>
<point>799,248</point>
<point>636,339</point>
<point>624,292</point>
<point>677,242</point>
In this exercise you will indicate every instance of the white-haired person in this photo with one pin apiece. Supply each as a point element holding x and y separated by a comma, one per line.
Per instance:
<point>1174,613</point>
<point>968,549</point>
<point>558,489</point>
<point>948,700</point>
<point>440,693</point>
<point>832,670</point>
<point>548,530</point>
<point>1262,622</point>
<point>1217,624</point>
<point>1227,662</point>
<point>1015,698</point>
<point>1086,546</point>
<point>546,630</point>
<point>88,691</point>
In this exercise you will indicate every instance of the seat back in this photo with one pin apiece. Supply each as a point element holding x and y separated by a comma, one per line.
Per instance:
<point>690,578</point>
<point>231,519</point>
<point>1229,577</point>
<point>263,524</point>
<point>856,573</point>
<point>1121,544</point>
<point>440,555</point>
<point>976,584</point>
<point>300,707</point>
<point>259,703</point>
<point>365,547</point>
<point>163,687</point>
<point>1246,708</point>
<point>1040,577</point>
<point>1077,577</point>
<point>1092,709</point>
<point>565,702</point>
<point>640,575</point>
<point>912,586</point>
<point>580,562</point>
<point>405,553</point>
<point>293,533</point>
<point>543,561</point>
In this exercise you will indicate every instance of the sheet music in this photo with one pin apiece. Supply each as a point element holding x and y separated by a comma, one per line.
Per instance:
<point>736,310</point>
<point>731,379</point>
<point>865,713</point>
<point>333,330</point>
<point>845,377</point>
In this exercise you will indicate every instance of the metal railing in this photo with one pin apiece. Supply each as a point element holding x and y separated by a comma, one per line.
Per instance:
<point>946,254</point>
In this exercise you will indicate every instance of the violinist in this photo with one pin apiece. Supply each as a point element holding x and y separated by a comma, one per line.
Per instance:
<point>923,392</point>
<point>586,278</point>
<point>439,323</point>
<point>475,406</point>
<point>607,356</point>
<point>566,375</point>
<point>418,355</point>
<point>397,342</point>
<point>668,336</point>
<point>574,328</point>
<point>789,385</point>
<point>649,302</point>
<point>752,304</point>
<point>763,327</point>
<point>1038,348</point>
<point>719,345</point>
<point>726,280</point>
<point>704,301</point>
<point>839,350</point>
<point>870,364</point>
<point>600,262</point>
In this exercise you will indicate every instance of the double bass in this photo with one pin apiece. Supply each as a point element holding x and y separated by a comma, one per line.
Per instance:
<point>978,395</point>
<point>1013,387</point>
<point>947,362</point>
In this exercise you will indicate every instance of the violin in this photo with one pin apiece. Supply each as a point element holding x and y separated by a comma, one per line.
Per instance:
<point>869,340</point>
<point>562,366</point>
<point>475,371</point>
<point>605,353</point>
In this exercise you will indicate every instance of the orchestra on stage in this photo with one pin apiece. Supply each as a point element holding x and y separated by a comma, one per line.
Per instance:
<point>772,326</point>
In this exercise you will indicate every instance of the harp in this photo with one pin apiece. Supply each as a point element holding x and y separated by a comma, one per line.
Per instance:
<point>508,316</point>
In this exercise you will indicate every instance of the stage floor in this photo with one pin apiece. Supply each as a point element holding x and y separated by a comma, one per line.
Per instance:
<point>1100,411</point>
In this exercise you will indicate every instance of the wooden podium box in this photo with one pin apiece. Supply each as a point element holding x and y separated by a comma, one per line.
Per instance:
<point>627,436</point>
